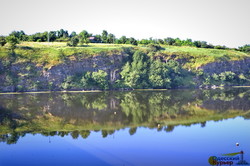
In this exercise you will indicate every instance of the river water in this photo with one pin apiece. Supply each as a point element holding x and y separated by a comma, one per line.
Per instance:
<point>132,128</point>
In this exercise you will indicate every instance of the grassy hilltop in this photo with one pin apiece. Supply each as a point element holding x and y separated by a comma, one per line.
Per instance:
<point>54,53</point>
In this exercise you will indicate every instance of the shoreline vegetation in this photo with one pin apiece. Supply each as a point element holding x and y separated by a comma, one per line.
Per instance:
<point>73,62</point>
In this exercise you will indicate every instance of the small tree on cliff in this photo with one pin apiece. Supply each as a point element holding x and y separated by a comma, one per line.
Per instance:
<point>100,79</point>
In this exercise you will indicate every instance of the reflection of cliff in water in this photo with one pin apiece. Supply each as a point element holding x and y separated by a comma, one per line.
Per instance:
<point>79,113</point>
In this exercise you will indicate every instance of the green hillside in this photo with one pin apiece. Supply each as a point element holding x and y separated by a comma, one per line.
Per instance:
<point>35,66</point>
<point>54,53</point>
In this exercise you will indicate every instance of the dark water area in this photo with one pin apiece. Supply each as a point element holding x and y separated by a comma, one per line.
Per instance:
<point>133,128</point>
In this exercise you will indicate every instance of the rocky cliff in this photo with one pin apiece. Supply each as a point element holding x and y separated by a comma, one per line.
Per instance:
<point>26,76</point>
<point>32,77</point>
<point>238,67</point>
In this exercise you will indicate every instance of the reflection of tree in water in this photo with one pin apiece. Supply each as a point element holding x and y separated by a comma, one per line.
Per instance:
<point>169,128</point>
<point>11,138</point>
<point>85,134</point>
<point>9,121</point>
<point>132,130</point>
<point>78,114</point>
<point>75,134</point>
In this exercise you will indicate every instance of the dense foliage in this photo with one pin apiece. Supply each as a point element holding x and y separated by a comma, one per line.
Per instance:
<point>245,48</point>
<point>85,37</point>
<point>13,41</point>
<point>2,41</point>
<point>88,80</point>
<point>145,70</point>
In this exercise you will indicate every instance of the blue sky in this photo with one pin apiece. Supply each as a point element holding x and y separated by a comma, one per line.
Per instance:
<point>224,22</point>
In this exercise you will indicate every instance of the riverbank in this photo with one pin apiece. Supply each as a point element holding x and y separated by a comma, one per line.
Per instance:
<point>55,67</point>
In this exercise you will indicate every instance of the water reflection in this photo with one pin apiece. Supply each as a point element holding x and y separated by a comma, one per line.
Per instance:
<point>80,114</point>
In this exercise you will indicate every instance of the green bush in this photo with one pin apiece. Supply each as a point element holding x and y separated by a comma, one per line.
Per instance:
<point>13,41</point>
<point>154,47</point>
<point>73,41</point>
<point>100,79</point>
<point>2,41</point>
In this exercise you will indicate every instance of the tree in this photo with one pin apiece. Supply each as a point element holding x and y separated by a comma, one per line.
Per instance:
<point>20,35</point>
<point>132,130</point>
<point>133,41</point>
<point>62,33</point>
<point>2,41</point>
<point>169,41</point>
<point>188,42</point>
<point>41,37</point>
<point>100,79</point>
<point>52,36</point>
<point>227,76</point>
<point>85,133</point>
<point>84,37</point>
<point>144,41</point>
<point>135,75</point>
<point>245,48</point>
<point>86,80</point>
<point>111,38</point>
<point>13,41</point>
<point>98,38</point>
<point>104,133</point>
<point>159,74</point>
<point>73,34</point>
<point>13,138</point>
<point>197,44</point>
<point>74,134</point>
<point>178,42</point>
<point>73,41</point>
<point>154,47</point>
<point>169,128</point>
<point>220,47</point>
<point>160,41</point>
<point>123,39</point>
<point>104,36</point>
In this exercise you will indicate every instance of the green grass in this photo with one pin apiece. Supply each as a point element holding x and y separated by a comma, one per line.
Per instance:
<point>50,54</point>
<point>197,57</point>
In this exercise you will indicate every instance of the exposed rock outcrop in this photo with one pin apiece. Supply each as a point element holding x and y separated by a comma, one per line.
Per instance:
<point>30,77</point>
<point>238,67</point>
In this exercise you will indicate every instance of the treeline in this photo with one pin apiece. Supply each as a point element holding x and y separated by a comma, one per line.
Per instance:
<point>84,37</point>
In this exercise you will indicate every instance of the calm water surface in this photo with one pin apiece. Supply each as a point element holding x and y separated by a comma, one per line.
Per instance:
<point>139,128</point>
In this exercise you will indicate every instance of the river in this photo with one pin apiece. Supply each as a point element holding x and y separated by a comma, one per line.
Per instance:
<point>131,128</point>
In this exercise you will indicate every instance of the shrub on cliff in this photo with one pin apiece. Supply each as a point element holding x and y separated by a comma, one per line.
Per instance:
<point>100,79</point>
